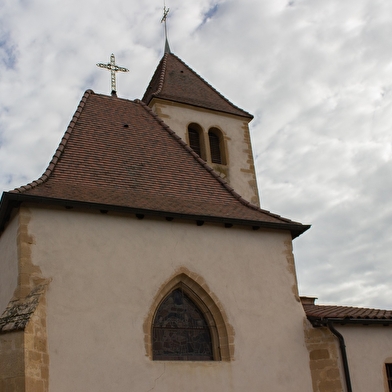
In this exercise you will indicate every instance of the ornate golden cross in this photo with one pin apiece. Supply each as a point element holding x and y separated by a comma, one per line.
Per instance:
<point>113,68</point>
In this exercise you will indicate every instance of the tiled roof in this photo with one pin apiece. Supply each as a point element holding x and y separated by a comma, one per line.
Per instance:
<point>322,312</point>
<point>117,153</point>
<point>174,81</point>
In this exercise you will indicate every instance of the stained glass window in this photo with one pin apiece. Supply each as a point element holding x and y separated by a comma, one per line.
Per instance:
<point>180,331</point>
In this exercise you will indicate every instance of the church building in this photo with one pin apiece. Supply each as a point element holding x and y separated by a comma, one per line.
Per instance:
<point>142,261</point>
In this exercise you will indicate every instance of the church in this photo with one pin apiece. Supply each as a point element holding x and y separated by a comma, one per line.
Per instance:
<point>141,261</point>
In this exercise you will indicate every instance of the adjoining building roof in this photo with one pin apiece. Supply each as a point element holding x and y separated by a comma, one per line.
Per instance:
<point>319,314</point>
<point>174,81</point>
<point>118,155</point>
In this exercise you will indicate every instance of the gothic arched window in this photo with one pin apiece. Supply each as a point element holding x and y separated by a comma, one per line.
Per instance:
<point>180,330</point>
<point>185,323</point>
<point>216,146</point>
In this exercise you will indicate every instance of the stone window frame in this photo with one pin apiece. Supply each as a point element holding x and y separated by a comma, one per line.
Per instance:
<point>208,318</point>
<point>222,334</point>
<point>204,146</point>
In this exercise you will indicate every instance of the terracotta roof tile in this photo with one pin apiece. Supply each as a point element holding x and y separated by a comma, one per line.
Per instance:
<point>345,312</point>
<point>175,81</point>
<point>116,152</point>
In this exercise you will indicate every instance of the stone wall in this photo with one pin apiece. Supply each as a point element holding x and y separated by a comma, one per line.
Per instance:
<point>36,351</point>
<point>327,375</point>
<point>108,273</point>
<point>12,362</point>
<point>24,357</point>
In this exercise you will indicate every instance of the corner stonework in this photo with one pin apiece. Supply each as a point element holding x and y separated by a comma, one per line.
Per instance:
<point>250,170</point>
<point>36,350</point>
<point>323,359</point>
<point>23,339</point>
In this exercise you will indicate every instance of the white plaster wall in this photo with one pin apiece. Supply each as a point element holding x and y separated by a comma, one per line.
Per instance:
<point>368,349</point>
<point>8,263</point>
<point>106,271</point>
<point>179,117</point>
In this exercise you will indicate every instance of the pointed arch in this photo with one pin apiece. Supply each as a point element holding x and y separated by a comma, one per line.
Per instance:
<point>219,330</point>
<point>180,332</point>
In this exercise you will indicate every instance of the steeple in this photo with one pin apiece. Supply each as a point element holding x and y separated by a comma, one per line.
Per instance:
<point>175,81</point>
<point>216,129</point>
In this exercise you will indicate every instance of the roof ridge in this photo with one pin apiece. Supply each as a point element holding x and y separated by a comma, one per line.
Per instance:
<point>162,75</point>
<point>45,176</point>
<point>207,167</point>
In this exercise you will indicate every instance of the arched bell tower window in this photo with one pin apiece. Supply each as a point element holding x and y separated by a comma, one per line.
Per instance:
<point>215,138</point>
<point>195,138</point>
<point>180,330</point>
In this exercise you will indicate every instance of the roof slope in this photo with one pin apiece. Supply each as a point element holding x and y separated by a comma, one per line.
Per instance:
<point>118,153</point>
<point>173,80</point>
<point>322,312</point>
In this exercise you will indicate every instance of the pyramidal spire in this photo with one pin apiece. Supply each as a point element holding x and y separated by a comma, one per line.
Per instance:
<point>163,20</point>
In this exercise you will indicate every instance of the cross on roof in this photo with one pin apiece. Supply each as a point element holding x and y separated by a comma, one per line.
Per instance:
<point>113,68</point>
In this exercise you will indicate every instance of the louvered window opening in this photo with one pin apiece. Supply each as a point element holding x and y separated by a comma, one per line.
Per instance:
<point>388,367</point>
<point>216,156</point>
<point>194,141</point>
<point>180,331</point>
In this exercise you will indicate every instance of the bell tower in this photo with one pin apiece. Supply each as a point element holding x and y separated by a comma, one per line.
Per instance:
<point>210,124</point>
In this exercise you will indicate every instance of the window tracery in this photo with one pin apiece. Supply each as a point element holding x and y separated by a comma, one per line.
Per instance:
<point>221,333</point>
<point>180,331</point>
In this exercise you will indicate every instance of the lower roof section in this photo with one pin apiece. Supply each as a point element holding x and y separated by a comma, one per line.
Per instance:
<point>320,315</point>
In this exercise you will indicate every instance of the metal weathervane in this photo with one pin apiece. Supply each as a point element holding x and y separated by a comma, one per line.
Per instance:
<point>113,68</point>
<point>163,20</point>
<point>165,12</point>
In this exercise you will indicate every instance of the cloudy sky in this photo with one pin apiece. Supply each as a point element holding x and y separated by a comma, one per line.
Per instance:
<point>317,75</point>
